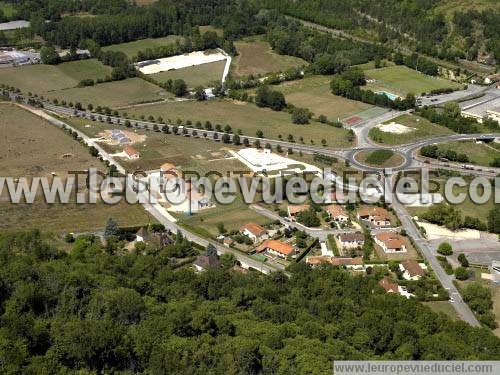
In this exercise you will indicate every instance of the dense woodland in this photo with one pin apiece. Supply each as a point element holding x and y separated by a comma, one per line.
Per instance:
<point>91,308</point>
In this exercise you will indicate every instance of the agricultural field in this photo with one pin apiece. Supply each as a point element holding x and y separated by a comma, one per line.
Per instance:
<point>478,153</point>
<point>420,128</point>
<point>115,94</point>
<point>199,75</point>
<point>401,80</point>
<point>247,117</point>
<point>132,48</point>
<point>257,57</point>
<point>379,158</point>
<point>36,148</point>
<point>42,79</point>
<point>314,93</point>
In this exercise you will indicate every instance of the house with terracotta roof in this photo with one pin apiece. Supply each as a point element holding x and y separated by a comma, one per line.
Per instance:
<point>337,213</point>
<point>131,153</point>
<point>228,241</point>
<point>375,216</point>
<point>254,231</point>
<point>276,248</point>
<point>411,269</point>
<point>349,241</point>
<point>389,285</point>
<point>295,209</point>
<point>391,242</point>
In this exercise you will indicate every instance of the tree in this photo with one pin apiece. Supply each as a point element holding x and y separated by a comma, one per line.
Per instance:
<point>199,93</point>
<point>463,260</point>
<point>221,228</point>
<point>461,273</point>
<point>49,56</point>
<point>259,134</point>
<point>494,220</point>
<point>211,250</point>
<point>452,109</point>
<point>445,249</point>
<point>300,116</point>
<point>112,229</point>
<point>228,260</point>
<point>179,87</point>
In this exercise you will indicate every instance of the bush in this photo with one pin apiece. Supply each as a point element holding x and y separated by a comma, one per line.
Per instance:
<point>461,273</point>
<point>463,260</point>
<point>445,249</point>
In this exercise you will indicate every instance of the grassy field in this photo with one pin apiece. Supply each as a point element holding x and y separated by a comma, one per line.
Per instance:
<point>113,94</point>
<point>444,307</point>
<point>132,48</point>
<point>314,93</point>
<point>206,28</point>
<point>247,117</point>
<point>257,57</point>
<point>188,153</point>
<point>200,75</point>
<point>467,208</point>
<point>423,129</point>
<point>401,80</point>
<point>42,79</point>
<point>36,148</point>
<point>7,9</point>
<point>379,158</point>
<point>478,153</point>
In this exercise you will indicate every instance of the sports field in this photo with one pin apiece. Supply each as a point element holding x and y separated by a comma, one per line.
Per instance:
<point>247,117</point>
<point>41,79</point>
<point>113,94</point>
<point>132,48</point>
<point>33,147</point>
<point>257,57</point>
<point>199,75</point>
<point>401,80</point>
<point>314,93</point>
<point>420,128</point>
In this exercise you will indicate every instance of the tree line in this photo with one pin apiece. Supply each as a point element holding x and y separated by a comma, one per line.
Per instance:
<point>91,309</point>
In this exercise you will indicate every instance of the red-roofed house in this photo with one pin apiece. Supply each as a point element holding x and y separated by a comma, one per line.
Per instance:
<point>293,210</point>
<point>337,213</point>
<point>411,269</point>
<point>376,216</point>
<point>276,248</point>
<point>390,242</point>
<point>254,231</point>
<point>389,285</point>
<point>131,152</point>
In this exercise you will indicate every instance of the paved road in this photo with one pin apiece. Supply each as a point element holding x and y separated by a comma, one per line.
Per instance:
<point>155,210</point>
<point>321,234</point>
<point>446,280</point>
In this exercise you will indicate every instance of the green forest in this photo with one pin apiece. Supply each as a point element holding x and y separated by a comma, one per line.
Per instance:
<point>89,309</point>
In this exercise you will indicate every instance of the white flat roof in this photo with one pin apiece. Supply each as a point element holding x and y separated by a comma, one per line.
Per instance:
<point>181,61</point>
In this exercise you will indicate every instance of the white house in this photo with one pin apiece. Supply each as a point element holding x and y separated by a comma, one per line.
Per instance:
<point>411,270</point>
<point>254,231</point>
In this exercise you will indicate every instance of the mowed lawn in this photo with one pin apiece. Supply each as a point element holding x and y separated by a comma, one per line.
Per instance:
<point>41,79</point>
<point>199,75</point>
<point>423,129</point>
<point>314,93</point>
<point>34,147</point>
<point>113,94</point>
<point>478,153</point>
<point>132,48</point>
<point>247,117</point>
<point>401,80</point>
<point>257,57</point>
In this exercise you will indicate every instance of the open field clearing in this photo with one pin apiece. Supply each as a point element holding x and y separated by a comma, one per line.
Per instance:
<point>33,147</point>
<point>132,48</point>
<point>401,80</point>
<point>7,9</point>
<point>444,307</point>
<point>200,75</point>
<point>478,153</point>
<point>156,148</point>
<point>257,57</point>
<point>113,94</point>
<point>247,117</point>
<point>314,93</point>
<point>41,79</point>
<point>418,128</point>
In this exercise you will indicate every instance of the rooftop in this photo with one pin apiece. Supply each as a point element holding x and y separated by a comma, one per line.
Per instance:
<point>278,246</point>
